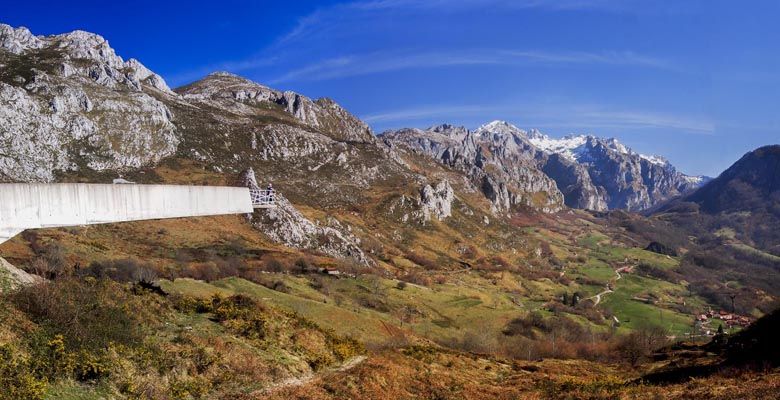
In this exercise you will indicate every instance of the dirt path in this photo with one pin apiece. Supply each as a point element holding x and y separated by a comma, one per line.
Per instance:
<point>597,298</point>
<point>302,380</point>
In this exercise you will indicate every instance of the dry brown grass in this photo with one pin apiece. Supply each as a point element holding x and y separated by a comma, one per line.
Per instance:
<point>429,373</point>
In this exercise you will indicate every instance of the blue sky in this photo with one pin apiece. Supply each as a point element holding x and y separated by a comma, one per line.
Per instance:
<point>695,81</point>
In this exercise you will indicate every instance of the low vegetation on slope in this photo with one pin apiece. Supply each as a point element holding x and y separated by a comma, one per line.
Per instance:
<point>95,335</point>
<point>519,289</point>
<point>104,331</point>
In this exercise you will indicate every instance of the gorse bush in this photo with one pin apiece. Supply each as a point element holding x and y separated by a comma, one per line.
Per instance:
<point>89,313</point>
<point>240,314</point>
<point>100,333</point>
<point>17,377</point>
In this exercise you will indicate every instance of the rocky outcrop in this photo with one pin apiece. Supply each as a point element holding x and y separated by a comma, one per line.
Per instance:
<point>497,158</point>
<point>432,202</point>
<point>573,180</point>
<point>12,277</point>
<point>18,40</point>
<point>436,201</point>
<point>286,225</point>
<point>68,102</point>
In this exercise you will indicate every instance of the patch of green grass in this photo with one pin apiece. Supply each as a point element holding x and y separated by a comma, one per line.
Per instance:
<point>752,250</point>
<point>634,314</point>
<point>363,324</point>
<point>592,240</point>
<point>465,302</point>
<point>598,270</point>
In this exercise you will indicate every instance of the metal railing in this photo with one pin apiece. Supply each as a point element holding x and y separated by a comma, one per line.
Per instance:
<point>263,198</point>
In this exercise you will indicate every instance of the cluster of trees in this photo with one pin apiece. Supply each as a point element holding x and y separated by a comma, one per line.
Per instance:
<point>572,300</point>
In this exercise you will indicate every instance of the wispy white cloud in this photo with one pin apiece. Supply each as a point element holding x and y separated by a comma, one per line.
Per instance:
<point>341,19</point>
<point>643,119</point>
<point>574,118</point>
<point>366,64</point>
<point>326,18</point>
<point>606,57</point>
<point>423,112</point>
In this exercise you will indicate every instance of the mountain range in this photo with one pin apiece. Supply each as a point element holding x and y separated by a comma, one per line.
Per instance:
<point>459,257</point>
<point>514,166</point>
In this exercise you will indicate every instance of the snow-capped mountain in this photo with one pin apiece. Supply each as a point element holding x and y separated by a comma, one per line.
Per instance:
<point>590,172</point>
<point>574,148</point>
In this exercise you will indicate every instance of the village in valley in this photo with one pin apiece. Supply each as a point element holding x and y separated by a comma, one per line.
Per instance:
<point>708,322</point>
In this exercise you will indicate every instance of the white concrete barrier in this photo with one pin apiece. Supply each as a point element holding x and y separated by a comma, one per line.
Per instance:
<point>32,205</point>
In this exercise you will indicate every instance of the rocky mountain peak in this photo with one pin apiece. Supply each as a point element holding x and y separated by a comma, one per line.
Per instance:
<point>143,74</point>
<point>17,40</point>
<point>614,144</point>
<point>230,91</point>
<point>496,157</point>
<point>499,127</point>
<point>225,74</point>
<point>86,45</point>
<point>67,49</point>
<point>535,134</point>
<point>451,131</point>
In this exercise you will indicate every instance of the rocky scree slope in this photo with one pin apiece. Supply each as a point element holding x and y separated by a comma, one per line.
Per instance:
<point>588,172</point>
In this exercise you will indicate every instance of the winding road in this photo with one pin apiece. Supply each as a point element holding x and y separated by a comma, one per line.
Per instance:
<point>597,298</point>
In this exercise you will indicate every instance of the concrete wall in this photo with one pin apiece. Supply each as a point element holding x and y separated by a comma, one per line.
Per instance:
<point>27,206</point>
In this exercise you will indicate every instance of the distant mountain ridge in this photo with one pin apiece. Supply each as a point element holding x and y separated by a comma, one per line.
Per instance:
<point>589,172</point>
<point>742,205</point>
<point>752,182</point>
